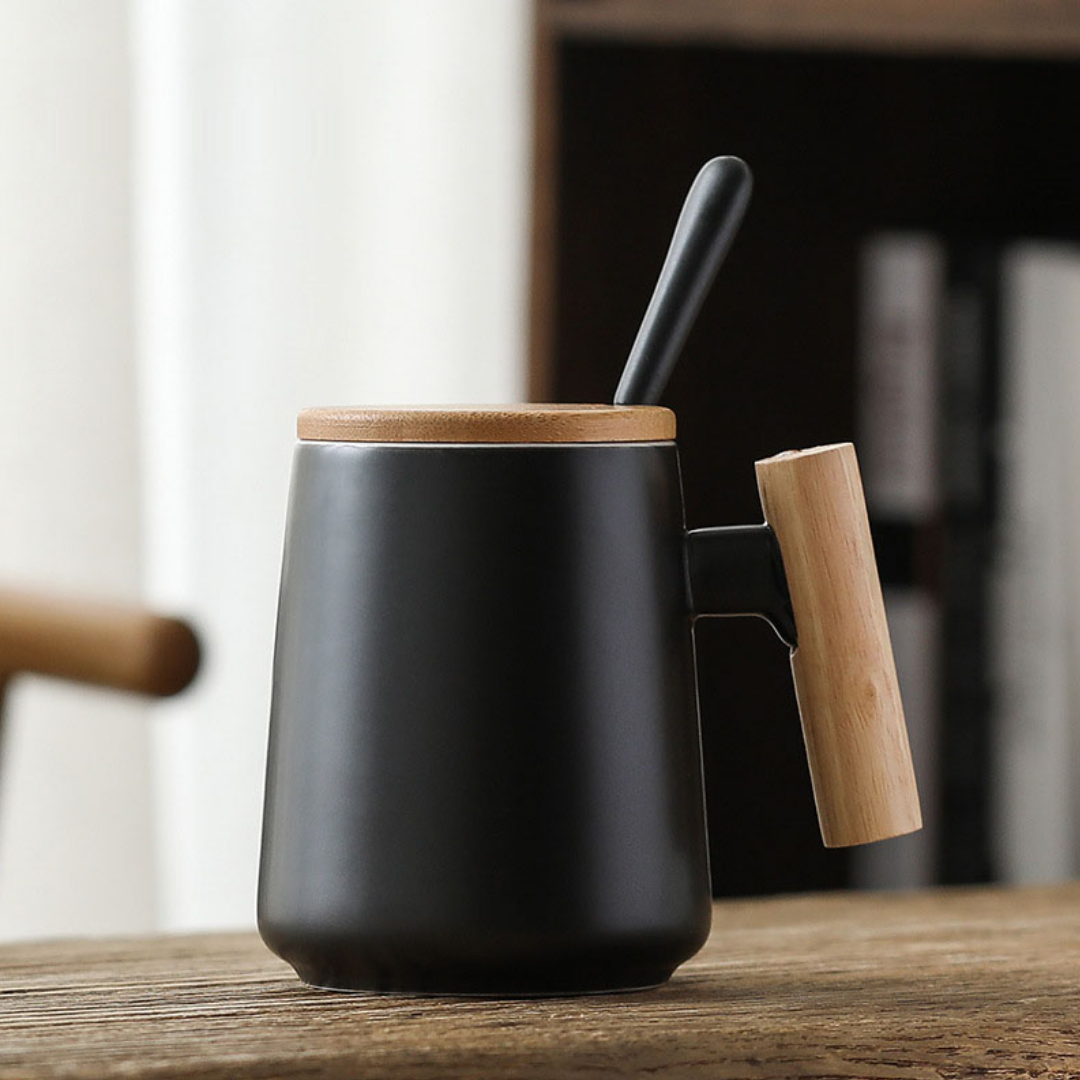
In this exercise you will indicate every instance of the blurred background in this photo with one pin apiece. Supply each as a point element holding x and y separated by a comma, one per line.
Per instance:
<point>211,215</point>
<point>215,213</point>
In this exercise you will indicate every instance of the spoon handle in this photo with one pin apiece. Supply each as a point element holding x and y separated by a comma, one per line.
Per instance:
<point>708,222</point>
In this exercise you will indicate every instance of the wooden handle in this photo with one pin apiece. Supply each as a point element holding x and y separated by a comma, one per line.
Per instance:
<point>108,645</point>
<point>845,676</point>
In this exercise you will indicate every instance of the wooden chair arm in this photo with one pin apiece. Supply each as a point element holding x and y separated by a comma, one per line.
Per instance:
<point>112,645</point>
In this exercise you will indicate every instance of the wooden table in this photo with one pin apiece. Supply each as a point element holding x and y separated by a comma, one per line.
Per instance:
<point>941,984</point>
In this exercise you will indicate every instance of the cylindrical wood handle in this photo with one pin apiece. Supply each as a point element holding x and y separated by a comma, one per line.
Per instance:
<point>845,675</point>
<point>105,644</point>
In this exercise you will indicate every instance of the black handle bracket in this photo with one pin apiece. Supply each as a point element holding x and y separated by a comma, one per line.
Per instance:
<point>738,570</point>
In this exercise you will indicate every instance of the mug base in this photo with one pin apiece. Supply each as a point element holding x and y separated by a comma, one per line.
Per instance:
<point>473,984</point>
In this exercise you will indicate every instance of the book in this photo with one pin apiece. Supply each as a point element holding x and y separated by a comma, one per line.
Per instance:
<point>1034,642</point>
<point>902,281</point>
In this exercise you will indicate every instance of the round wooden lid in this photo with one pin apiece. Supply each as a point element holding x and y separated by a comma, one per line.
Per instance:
<point>488,424</point>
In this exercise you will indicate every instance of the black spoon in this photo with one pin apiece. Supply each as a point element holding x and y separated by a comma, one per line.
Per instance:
<point>708,223</point>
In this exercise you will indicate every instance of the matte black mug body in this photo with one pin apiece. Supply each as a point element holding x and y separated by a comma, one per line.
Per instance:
<point>484,769</point>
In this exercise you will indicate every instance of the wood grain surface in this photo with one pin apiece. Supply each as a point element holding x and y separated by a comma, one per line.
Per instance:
<point>979,982</point>
<point>845,675</point>
<point>488,424</point>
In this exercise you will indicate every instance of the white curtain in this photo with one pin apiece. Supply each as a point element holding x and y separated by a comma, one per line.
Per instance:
<point>323,202</point>
<point>75,816</point>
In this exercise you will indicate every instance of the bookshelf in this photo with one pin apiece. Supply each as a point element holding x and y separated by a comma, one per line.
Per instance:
<point>955,119</point>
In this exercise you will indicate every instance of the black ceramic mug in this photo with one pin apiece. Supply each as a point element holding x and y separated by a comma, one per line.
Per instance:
<point>484,769</point>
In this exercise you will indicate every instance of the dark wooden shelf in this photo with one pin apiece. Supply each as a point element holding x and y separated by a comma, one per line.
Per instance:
<point>978,27</point>
<point>952,119</point>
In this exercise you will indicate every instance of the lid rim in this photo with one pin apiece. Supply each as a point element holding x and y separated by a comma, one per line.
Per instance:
<point>531,423</point>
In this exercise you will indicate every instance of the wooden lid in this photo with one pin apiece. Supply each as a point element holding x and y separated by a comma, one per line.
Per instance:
<point>488,424</point>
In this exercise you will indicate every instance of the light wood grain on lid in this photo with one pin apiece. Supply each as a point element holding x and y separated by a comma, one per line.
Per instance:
<point>488,424</point>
